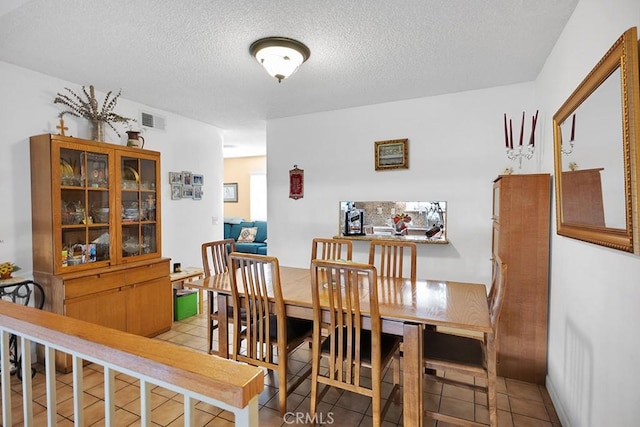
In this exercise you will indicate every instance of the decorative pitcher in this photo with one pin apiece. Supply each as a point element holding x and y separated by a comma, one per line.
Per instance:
<point>134,139</point>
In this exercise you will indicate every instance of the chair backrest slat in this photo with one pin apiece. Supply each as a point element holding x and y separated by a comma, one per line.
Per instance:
<point>496,294</point>
<point>214,256</point>
<point>326,248</point>
<point>389,258</point>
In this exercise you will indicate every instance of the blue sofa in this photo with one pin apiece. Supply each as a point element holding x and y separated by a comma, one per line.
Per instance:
<point>258,246</point>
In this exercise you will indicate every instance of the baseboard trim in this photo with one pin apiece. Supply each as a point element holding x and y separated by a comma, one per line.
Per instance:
<point>557,403</point>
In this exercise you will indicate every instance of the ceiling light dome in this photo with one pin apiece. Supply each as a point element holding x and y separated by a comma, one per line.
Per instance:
<point>280,56</point>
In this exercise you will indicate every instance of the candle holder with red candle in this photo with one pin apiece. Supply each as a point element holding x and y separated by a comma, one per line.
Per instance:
<point>520,150</point>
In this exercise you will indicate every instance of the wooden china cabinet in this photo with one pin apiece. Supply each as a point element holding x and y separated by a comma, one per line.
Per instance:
<point>521,212</point>
<point>96,234</point>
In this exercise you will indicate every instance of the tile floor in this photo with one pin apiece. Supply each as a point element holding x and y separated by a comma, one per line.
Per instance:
<point>520,404</point>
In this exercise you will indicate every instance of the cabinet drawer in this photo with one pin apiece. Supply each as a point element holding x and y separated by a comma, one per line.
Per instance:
<point>147,272</point>
<point>93,283</point>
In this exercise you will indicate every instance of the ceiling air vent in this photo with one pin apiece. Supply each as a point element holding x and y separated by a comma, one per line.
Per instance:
<point>151,121</point>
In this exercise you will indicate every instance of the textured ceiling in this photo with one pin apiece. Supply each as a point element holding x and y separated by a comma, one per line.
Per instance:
<point>192,58</point>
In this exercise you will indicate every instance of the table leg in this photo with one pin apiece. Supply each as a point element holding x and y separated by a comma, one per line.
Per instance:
<point>200,301</point>
<point>210,312</point>
<point>223,327</point>
<point>412,375</point>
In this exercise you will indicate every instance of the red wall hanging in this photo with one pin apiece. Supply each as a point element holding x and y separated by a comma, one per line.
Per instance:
<point>296,183</point>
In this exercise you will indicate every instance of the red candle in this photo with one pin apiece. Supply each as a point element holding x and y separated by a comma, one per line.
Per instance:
<point>506,135</point>
<point>522,128</point>
<point>533,129</point>
<point>533,132</point>
<point>510,133</point>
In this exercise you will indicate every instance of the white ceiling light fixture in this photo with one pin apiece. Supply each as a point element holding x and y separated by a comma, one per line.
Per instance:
<point>280,56</point>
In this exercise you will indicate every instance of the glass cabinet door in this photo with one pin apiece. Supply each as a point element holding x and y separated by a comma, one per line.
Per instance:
<point>138,201</point>
<point>84,214</point>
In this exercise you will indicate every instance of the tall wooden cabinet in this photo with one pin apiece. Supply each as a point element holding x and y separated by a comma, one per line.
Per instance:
<point>97,235</point>
<point>521,215</point>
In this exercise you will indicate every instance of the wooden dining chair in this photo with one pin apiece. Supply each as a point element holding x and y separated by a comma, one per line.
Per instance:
<point>476,357</point>
<point>342,294</point>
<point>214,256</point>
<point>496,274</point>
<point>214,261</point>
<point>394,259</point>
<point>327,248</point>
<point>256,288</point>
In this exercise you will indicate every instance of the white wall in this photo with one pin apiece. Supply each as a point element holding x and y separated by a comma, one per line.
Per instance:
<point>595,293</point>
<point>456,150</point>
<point>455,153</point>
<point>26,108</point>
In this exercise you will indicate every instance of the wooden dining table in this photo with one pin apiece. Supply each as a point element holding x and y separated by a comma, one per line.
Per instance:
<point>405,307</point>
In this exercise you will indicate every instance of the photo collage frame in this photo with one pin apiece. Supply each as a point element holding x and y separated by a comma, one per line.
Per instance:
<point>186,185</point>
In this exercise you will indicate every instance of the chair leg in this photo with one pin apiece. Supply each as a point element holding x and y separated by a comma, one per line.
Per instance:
<point>394,395</point>
<point>282,386</point>
<point>376,410</point>
<point>492,404</point>
<point>492,398</point>
<point>376,386</point>
<point>396,368</point>
<point>315,371</point>
<point>212,317</point>
<point>211,329</point>
<point>313,404</point>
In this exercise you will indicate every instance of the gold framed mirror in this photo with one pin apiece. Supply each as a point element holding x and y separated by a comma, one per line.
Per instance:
<point>596,157</point>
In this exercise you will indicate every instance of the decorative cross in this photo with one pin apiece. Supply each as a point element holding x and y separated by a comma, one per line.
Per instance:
<point>62,127</point>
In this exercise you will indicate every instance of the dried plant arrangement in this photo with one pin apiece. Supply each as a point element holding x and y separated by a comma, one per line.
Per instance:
<point>87,108</point>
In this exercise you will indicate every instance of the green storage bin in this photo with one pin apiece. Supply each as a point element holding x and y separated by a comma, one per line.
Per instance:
<point>185,304</point>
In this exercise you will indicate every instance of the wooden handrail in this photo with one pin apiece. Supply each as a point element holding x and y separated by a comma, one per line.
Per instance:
<point>224,380</point>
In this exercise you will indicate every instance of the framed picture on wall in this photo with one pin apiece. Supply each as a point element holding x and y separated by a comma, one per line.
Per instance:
<point>176,191</point>
<point>197,192</point>
<point>175,178</point>
<point>197,179</point>
<point>187,192</point>
<point>230,192</point>
<point>392,154</point>
<point>186,178</point>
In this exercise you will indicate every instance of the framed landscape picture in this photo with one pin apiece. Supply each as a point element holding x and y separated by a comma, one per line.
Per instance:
<point>230,192</point>
<point>392,154</point>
